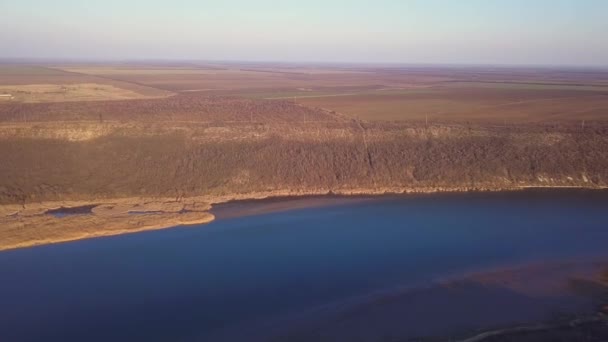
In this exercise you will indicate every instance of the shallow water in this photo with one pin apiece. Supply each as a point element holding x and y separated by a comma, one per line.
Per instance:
<point>256,275</point>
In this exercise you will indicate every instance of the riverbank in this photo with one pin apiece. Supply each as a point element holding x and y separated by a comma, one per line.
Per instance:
<point>54,222</point>
<point>43,223</point>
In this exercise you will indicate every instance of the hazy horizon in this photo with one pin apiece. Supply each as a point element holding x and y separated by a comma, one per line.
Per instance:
<point>494,32</point>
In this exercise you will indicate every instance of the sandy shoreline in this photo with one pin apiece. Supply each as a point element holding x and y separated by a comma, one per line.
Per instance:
<point>31,225</point>
<point>28,225</point>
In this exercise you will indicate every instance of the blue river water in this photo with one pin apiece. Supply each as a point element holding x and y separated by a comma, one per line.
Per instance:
<point>210,282</point>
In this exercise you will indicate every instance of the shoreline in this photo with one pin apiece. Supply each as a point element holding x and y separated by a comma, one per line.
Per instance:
<point>107,233</point>
<point>133,215</point>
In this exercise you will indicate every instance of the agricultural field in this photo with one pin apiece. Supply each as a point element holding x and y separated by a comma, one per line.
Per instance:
<point>175,109</point>
<point>448,103</point>
<point>32,93</point>
<point>245,78</point>
<point>30,83</point>
<point>385,93</point>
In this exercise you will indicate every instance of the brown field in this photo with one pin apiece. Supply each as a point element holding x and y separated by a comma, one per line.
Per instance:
<point>469,104</point>
<point>246,78</point>
<point>187,107</point>
<point>33,93</point>
<point>16,77</point>
<point>389,93</point>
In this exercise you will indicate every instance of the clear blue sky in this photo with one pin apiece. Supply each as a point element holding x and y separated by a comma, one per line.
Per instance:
<point>573,32</point>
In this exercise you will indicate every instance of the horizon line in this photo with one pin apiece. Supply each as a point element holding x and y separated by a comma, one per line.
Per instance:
<point>43,60</point>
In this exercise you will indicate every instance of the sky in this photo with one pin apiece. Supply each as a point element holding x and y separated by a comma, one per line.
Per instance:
<point>529,32</point>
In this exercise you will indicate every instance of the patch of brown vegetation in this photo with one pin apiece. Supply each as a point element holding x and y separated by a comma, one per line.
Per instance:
<point>23,75</point>
<point>36,224</point>
<point>32,93</point>
<point>173,160</point>
<point>186,107</point>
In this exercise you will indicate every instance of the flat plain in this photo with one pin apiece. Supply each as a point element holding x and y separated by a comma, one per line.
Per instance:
<point>36,83</point>
<point>389,93</point>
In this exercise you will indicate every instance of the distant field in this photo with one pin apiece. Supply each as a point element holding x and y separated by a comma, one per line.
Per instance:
<point>41,79</point>
<point>27,70</point>
<point>32,93</point>
<point>138,71</point>
<point>246,78</point>
<point>510,104</point>
<point>389,93</point>
<point>300,93</point>
<point>531,86</point>
<point>190,108</point>
<point>185,70</point>
<point>23,75</point>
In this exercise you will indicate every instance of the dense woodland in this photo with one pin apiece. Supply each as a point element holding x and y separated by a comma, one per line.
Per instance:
<point>146,156</point>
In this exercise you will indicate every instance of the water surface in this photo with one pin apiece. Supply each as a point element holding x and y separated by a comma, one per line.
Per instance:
<point>258,275</point>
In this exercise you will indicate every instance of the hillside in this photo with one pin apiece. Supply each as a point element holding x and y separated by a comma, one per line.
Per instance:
<point>197,146</point>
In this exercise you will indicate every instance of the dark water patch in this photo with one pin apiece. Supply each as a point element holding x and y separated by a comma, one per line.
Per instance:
<point>251,207</point>
<point>68,211</point>
<point>240,208</point>
<point>157,212</point>
<point>135,212</point>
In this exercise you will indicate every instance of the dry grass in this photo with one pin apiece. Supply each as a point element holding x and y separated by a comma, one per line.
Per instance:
<point>32,93</point>
<point>18,232</point>
<point>22,226</point>
<point>19,75</point>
